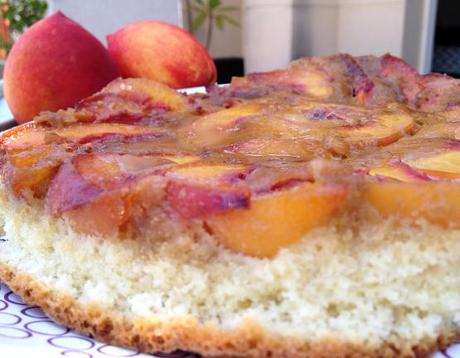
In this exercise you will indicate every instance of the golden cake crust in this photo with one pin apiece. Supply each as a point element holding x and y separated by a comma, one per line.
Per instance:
<point>250,340</point>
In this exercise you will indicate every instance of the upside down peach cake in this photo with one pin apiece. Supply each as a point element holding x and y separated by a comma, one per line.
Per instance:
<point>312,212</point>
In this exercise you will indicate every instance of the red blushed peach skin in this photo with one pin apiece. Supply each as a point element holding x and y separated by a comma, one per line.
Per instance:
<point>85,133</point>
<point>23,137</point>
<point>386,130</point>
<point>159,94</point>
<point>32,135</point>
<point>54,64</point>
<point>109,186</point>
<point>437,202</point>
<point>277,219</point>
<point>163,52</point>
<point>311,82</point>
<point>195,200</point>
<point>197,191</point>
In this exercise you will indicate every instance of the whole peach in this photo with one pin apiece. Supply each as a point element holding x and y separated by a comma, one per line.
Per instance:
<point>163,52</point>
<point>54,64</point>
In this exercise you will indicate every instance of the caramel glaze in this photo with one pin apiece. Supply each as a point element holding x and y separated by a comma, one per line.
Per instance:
<point>138,153</point>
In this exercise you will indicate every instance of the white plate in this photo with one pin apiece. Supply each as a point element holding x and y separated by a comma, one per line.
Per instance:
<point>25,331</point>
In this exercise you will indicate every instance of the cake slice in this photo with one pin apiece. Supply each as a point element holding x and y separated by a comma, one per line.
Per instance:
<point>307,212</point>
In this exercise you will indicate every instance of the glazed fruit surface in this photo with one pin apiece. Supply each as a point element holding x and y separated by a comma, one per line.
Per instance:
<point>257,164</point>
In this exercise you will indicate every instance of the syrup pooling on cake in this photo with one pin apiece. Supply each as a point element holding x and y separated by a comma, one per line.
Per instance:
<point>258,164</point>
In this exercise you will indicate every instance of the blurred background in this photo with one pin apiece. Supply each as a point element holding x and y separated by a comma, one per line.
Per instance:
<point>258,35</point>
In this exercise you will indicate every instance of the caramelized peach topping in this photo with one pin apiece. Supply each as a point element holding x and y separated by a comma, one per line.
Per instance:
<point>257,164</point>
<point>278,219</point>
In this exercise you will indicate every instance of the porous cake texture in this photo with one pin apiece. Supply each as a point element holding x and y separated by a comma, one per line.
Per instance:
<point>384,290</point>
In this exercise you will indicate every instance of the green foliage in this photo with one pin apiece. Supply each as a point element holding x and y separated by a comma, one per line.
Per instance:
<point>20,14</point>
<point>24,13</point>
<point>214,12</point>
<point>212,9</point>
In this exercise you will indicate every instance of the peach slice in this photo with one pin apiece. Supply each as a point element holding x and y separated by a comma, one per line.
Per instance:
<point>308,81</point>
<point>317,84</point>
<point>24,136</point>
<point>30,157</point>
<point>212,128</point>
<point>199,190</point>
<point>86,219</point>
<point>29,181</point>
<point>275,220</point>
<point>227,117</point>
<point>437,202</point>
<point>385,130</point>
<point>341,73</point>
<point>157,93</point>
<point>86,177</point>
<point>192,200</point>
<point>444,165</point>
<point>30,171</point>
<point>431,160</point>
<point>398,171</point>
<point>437,92</point>
<point>113,108</point>
<point>358,126</point>
<point>87,132</point>
<point>200,171</point>
<point>122,209</point>
<point>69,189</point>
<point>439,128</point>
<point>331,77</point>
<point>31,134</point>
<point>247,123</point>
<point>113,187</point>
<point>278,148</point>
<point>182,159</point>
<point>108,171</point>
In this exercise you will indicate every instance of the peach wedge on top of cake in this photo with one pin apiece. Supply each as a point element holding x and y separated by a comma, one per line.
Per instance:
<point>271,217</point>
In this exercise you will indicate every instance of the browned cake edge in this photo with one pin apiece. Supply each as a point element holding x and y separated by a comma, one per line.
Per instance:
<point>187,334</point>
